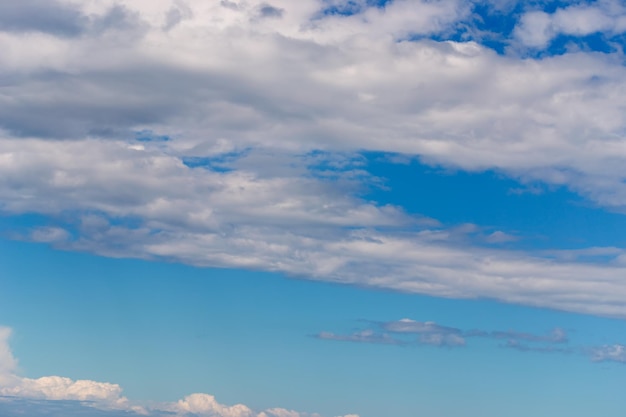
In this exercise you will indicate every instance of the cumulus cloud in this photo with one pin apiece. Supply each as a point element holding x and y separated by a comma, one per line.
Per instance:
<point>60,396</point>
<point>203,404</point>
<point>538,28</point>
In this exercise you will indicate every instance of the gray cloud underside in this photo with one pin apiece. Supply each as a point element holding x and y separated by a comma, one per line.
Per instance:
<point>219,80</point>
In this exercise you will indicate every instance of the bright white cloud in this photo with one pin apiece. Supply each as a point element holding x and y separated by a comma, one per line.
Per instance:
<point>536,28</point>
<point>203,404</point>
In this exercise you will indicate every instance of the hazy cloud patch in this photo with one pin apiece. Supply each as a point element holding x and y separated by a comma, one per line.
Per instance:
<point>407,331</point>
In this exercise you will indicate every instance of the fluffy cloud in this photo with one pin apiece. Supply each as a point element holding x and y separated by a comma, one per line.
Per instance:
<point>538,28</point>
<point>185,131</point>
<point>203,404</point>
<point>86,398</point>
<point>59,388</point>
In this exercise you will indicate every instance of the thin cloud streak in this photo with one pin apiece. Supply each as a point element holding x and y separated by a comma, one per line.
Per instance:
<point>434,334</point>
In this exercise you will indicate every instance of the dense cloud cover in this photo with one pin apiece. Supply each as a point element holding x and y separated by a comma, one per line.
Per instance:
<point>228,133</point>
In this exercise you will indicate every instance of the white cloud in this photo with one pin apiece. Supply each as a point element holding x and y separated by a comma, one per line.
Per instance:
<point>500,237</point>
<point>220,79</point>
<point>101,394</point>
<point>107,396</point>
<point>203,404</point>
<point>536,28</point>
<point>278,219</point>
<point>237,84</point>
<point>610,353</point>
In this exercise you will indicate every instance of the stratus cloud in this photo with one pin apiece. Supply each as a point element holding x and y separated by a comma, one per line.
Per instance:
<point>107,396</point>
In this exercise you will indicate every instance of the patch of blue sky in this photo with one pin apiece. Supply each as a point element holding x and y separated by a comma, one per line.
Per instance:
<point>11,223</point>
<point>595,42</point>
<point>350,7</point>
<point>493,27</point>
<point>543,217</point>
<point>217,164</point>
<point>488,26</point>
<point>150,136</point>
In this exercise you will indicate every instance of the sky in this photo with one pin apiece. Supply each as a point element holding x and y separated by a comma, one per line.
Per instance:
<point>321,208</point>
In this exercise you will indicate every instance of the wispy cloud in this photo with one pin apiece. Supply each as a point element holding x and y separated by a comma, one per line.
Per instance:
<point>363,336</point>
<point>557,335</point>
<point>431,333</point>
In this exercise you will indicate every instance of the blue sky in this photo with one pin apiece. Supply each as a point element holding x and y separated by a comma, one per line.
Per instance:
<point>312,209</point>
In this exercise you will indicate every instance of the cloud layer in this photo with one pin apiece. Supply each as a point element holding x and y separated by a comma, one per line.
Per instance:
<point>228,134</point>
